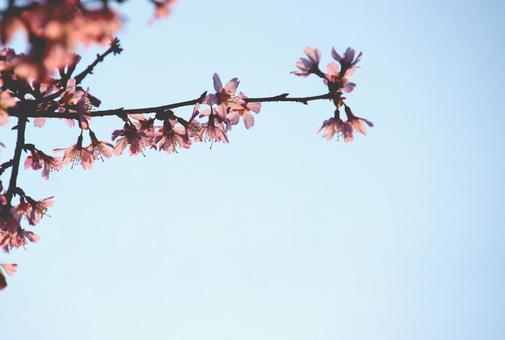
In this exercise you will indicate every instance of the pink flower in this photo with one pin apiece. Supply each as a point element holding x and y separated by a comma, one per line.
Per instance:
<point>10,240</point>
<point>38,160</point>
<point>335,79</point>
<point>99,149</point>
<point>217,125</point>
<point>172,137</point>
<point>77,154</point>
<point>146,125</point>
<point>335,126</point>
<point>243,110</point>
<point>193,127</point>
<point>78,102</point>
<point>308,66</point>
<point>347,61</point>
<point>137,140</point>
<point>224,95</point>
<point>34,210</point>
<point>11,233</point>
<point>357,123</point>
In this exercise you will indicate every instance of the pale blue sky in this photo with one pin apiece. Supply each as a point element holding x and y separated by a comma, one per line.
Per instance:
<point>280,234</point>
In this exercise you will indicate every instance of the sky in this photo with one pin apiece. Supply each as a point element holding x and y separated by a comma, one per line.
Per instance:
<point>281,234</point>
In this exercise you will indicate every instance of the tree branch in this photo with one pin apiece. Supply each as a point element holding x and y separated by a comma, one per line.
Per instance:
<point>17,157</point>
<point>114,48</point>
<point>155,109</point>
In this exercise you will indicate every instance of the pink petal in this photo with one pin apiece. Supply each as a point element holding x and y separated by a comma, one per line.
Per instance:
<point>248,119</point>
<point>10,268</point>
<point>218,86</point>
<point>232,85</point>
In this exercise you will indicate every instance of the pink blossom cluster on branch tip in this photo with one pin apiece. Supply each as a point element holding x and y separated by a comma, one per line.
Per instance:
<point>336,78</point>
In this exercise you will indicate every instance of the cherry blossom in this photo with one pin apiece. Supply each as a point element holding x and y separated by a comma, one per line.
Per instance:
<point>99,149</point>
<point>335,126</point>
<point>171,137</point>
<point>130,135</point>
<point>39,160</point>
<point>357,123</point>
<point>77,154</point>
<point>347,61</point>
<point>34,210</point>
<point>224,95</point>
<point>217,125</point>
<point>193,127</point>
<point>334,78</point>
<point>243,111</point>
<point>309,65</point>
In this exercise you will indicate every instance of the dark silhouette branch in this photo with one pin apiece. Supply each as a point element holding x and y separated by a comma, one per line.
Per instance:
<point>17,157</point>
<point>157,109</point>
<point>114,48</point>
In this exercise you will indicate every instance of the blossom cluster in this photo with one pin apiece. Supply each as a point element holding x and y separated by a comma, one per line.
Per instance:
<point>54,28</point>
<point>12,235</point>
<point>211,120</point>
<point>336,78</point>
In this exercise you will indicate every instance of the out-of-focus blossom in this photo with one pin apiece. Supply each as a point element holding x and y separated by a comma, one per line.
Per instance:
<point>243,111</point>
<point>162,8</point>
<point>39,160</point>
<point>6,101</point>
<point>7,56</point>
<point>130,135</point>
<point>308,65</point>
<point>54,29</point>
<point>77,154</point>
